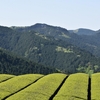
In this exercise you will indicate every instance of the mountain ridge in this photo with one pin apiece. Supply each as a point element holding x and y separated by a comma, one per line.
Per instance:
<point>86,42</point>
<point>50,50</point>
<point>84,31</point>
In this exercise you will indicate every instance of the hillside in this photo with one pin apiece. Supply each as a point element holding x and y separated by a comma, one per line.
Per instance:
<point>11,64</point>
<point>49,51</point>
<point>83,31</point>
<point>85,39</point>
<point>55,86</point>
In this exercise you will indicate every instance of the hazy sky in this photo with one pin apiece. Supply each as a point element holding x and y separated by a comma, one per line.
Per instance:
<point>70,14</point>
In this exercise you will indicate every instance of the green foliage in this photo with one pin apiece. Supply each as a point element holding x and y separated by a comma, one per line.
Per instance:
<point>11,64</point>
<point>96,67</point>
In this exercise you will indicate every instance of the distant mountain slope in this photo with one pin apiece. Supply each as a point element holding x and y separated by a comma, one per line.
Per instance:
<point>88,40</point>
<point>44,29</point>
<point>83,31</point>
<point>11,64</point>
<point>49,51</point>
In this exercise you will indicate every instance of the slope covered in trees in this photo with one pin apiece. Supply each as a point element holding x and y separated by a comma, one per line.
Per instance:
<point>48,51</point>
<point>11,64</point>
<point>89,40</point>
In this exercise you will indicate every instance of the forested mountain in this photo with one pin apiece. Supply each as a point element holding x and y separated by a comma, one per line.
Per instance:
<point>50,50</point>
<point>83,31</point>
<point>11,64</point>
<point>89,40</point>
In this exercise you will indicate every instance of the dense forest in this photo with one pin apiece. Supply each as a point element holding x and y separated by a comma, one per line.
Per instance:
<point>85,39</point>
<point>11,64</point>
<point>49,46</point>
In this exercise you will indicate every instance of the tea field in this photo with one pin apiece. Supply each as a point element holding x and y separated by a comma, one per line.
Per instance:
<point>56,86</point>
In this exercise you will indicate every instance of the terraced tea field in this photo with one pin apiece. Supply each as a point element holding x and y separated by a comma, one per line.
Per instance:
<point>55,86</point>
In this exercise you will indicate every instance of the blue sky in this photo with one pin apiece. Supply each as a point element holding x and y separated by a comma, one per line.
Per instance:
<point>70,14</point>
